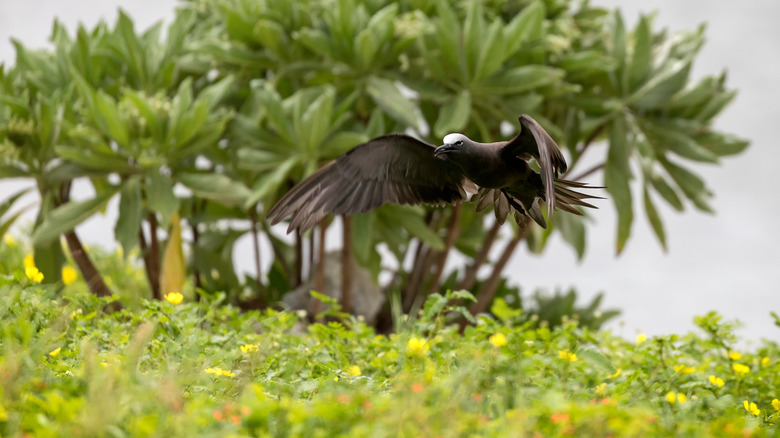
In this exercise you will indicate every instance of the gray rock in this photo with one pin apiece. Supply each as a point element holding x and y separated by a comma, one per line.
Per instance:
<point>367,297</point>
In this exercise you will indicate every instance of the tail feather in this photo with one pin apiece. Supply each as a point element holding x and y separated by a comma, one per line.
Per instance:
<point>566,199</point>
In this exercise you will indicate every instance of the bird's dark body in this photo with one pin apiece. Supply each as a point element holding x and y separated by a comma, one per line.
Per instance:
<point>400,169</point>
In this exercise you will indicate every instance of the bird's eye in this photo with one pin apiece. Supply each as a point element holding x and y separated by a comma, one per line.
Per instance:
<point>459,143</point>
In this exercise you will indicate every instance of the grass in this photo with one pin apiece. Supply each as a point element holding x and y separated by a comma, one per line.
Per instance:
<point>199,369</point>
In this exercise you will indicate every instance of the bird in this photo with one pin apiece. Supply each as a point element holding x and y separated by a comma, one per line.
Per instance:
<point>400,169</point>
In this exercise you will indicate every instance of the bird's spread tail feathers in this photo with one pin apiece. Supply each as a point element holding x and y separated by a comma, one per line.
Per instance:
<point>566,199</point>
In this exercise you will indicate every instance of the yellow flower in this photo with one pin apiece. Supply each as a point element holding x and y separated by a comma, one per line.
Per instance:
<point>33,274</point>
<point>682,369</point>
<point>174,297</point>
<point>717,381</point>
<point>617,373</point>
<point>55,352</point>
<point>498,340</point>
<point>740,369</point>
<point>417,346</point>
<point>765,362</point>
<point>567,355</point>
<point>671,397</point>
<point>248,348</point>
<point>29,261</point>
<point>751,407</point>
<point>733,355</point>
<point>220,372</point>
<point>641,338</point>
<point>9,240</point>
<point>776,404</point>
<point>354,370</point>
<point>679,397</point>
<point>69,275</point>
<point>600,389</point>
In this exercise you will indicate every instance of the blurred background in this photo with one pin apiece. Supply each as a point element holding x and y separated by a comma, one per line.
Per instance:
<point>728,262</point>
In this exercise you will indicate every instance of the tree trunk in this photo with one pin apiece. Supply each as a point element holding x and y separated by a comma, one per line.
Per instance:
<point>453,230</point>
<point>470,276</point>
<point>88,270</point>
<point>195,271</point>
<point>319,267</point>
<point>347,268</point>
<point>298,278</point>
<point>151,255</point>
<point>488,289</point>
<point>256,247</point>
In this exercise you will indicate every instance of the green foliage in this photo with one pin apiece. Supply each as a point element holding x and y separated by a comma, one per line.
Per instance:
<point>239,99</point>
<point>203,368</point>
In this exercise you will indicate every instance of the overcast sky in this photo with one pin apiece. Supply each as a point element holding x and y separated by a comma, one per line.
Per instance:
<point>729,262</point>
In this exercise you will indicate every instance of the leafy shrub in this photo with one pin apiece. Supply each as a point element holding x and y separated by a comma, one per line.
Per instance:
<point>68,368</point>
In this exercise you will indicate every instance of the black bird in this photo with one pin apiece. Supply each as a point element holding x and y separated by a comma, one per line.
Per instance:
<point>400,169</point>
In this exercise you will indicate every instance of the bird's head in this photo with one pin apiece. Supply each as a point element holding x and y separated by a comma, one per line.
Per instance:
<point>453,144</point>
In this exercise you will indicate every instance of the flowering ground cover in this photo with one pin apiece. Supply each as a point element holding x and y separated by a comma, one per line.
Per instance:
<point>184,368</point>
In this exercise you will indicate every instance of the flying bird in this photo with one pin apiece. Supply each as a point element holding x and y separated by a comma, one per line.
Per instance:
<point>401,169</point>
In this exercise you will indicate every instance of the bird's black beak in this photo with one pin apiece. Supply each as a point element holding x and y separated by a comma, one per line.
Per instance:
<point>442,150</point>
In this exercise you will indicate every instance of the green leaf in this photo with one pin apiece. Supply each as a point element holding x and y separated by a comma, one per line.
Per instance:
<point>270,101</point>
<point>160,197</point>
<point>502,310</point>
<point>130,214</point>
<point>642,56</point>
<point>665,137</point>
<point>107,115</point>
<point>617,182</point>
<point>66,217</point>
<point>662,85</point>
<point>722,144</point>
<point>572,230</point>
<point>269,183</point>
<point>454,115</point>
<point>216,187</point>
<point>362,236</point>
<point>388,97</point>
<point>595,358</point>
<point>527,25</point>
<point>654,218</point>
<point>666,191</point>
<point>341,142</point>
<point>691,185</point>
<point>618,50</point>
<point>412,221</point>
<point>519,80</point>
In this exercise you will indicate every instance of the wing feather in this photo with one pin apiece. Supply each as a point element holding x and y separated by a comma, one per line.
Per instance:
<point>534,142</point>
<point>394,168</point>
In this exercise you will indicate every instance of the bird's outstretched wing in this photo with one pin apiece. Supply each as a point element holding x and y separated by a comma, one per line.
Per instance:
<point>534,142</point>
<point>393,168</point>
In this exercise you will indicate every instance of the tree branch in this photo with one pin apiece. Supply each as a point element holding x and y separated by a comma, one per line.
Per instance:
<point>470,276</point>
<point>453,230</point>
